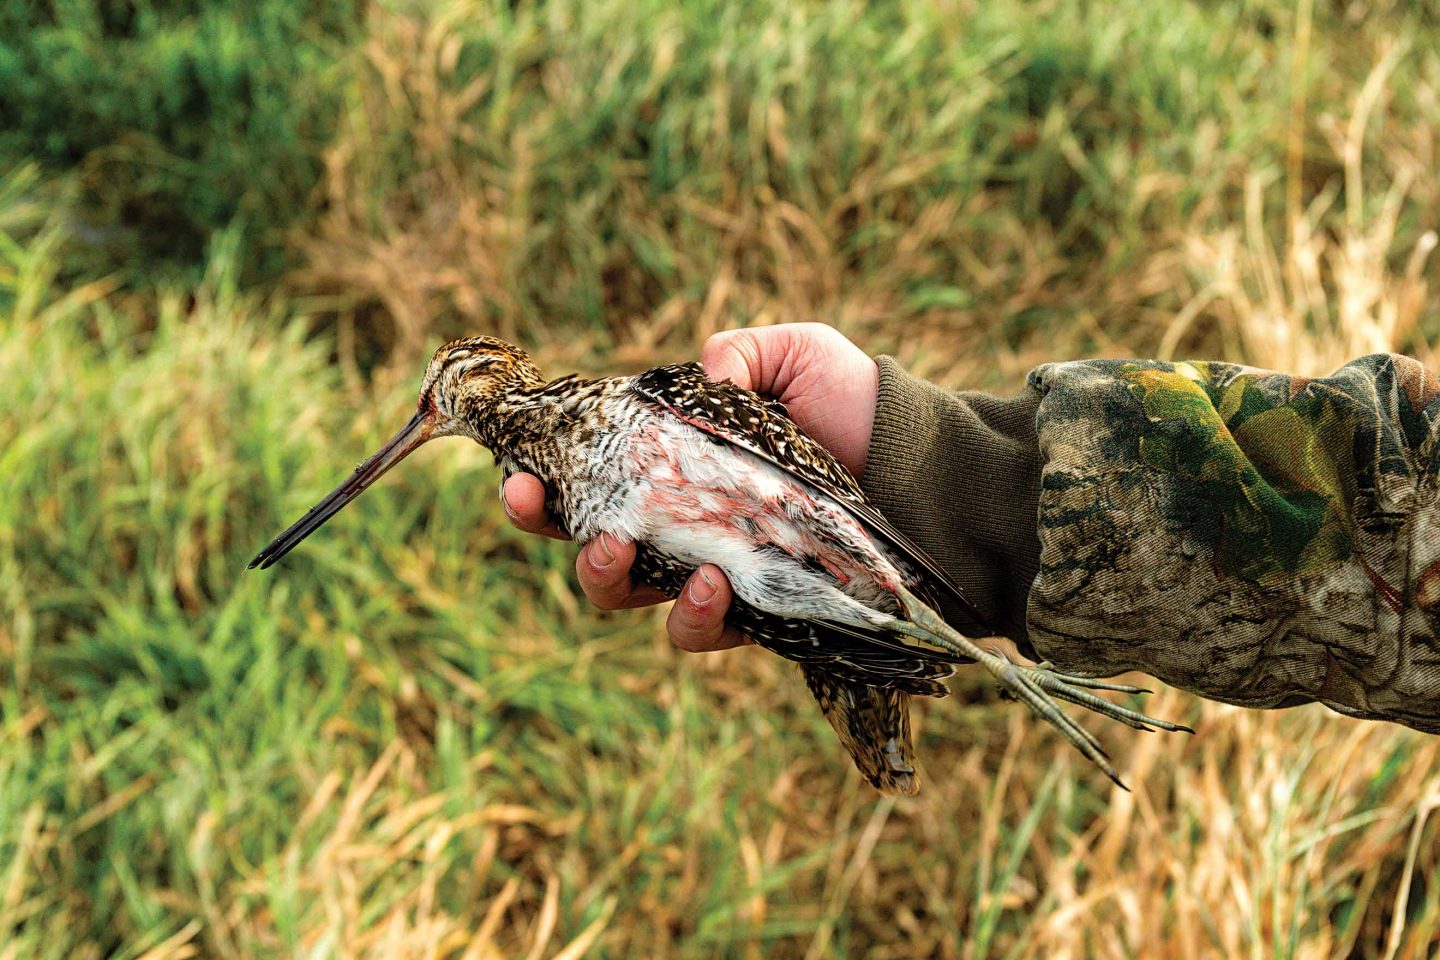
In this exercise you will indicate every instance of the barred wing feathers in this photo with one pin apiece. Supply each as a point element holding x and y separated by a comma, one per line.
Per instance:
<point>746,420</point>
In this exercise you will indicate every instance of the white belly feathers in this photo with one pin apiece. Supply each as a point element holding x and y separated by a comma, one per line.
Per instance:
<point>700,501</point>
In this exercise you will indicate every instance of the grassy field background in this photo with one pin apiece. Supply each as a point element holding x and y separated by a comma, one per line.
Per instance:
<point>228,239</point>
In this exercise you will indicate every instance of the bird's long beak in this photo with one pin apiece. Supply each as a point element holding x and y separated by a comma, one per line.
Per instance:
<point>417,431</point>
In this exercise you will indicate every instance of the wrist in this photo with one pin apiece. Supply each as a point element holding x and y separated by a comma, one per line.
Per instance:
<point>960,475</point>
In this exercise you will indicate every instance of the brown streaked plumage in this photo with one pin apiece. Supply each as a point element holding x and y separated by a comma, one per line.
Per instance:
<point>694,472</point>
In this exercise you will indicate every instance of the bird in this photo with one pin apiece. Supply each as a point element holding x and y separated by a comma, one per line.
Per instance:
<point>694,471</point>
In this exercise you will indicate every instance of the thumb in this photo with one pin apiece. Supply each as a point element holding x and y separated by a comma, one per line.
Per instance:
<point>733,355</point>
<point>763,359</point>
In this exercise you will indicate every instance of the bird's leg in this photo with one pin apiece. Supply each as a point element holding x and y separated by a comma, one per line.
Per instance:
<point>1034,685</point>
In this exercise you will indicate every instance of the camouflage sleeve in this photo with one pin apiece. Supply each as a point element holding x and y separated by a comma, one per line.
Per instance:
<point>1257,538</point>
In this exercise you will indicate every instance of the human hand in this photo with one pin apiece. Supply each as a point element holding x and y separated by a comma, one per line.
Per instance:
<point>829,386</point>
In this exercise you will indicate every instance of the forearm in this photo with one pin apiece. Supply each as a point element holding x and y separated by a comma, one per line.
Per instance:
<point>1252,537</point>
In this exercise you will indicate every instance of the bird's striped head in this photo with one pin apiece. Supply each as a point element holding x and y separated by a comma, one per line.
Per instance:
<point>467,378</point>
<point>464,388</point>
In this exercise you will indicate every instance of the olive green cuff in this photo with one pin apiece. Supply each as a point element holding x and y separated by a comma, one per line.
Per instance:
<point>959,473</point>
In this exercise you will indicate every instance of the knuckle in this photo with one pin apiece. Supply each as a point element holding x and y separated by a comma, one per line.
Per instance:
<point>604,597</point>
<point>602,602</point>
<point>686,631</point>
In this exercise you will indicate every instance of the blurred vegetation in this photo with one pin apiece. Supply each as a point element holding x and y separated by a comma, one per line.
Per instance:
<point>178,119</point>
<point>562,163</point>
<point>229,232</point>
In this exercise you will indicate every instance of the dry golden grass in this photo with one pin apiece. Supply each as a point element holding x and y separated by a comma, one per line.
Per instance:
<point>464,219</point>
<point>1330,293</point>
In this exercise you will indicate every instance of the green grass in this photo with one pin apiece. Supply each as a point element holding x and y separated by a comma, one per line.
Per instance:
<point>169,717</point>
<point>178,119</point>
<point>413,738</point>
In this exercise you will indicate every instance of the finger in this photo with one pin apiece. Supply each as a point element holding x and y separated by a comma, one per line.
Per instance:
<point>828,385</point>
<point>524,498</point>
<point>764,359</point>
<point>740,356</point>
<point>697,621</point>
<point>604,571</point>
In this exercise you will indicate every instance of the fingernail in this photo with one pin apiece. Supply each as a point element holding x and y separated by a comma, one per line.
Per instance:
<point>702,589</point>
<point>603,555</point>
<point>505,502</point>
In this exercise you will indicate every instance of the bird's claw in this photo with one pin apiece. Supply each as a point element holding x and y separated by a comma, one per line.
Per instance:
<point>1039,686</point>
<point>1090,682</point>
<point>1065,686</point>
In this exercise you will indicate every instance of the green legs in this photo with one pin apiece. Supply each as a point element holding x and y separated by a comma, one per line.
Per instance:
<point>1037,686</point>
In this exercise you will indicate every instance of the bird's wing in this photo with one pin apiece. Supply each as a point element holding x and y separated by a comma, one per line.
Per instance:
<point>857,653</point>
<point>746,420</point>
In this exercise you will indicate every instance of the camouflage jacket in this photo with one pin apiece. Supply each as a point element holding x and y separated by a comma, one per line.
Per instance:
<point>1256,538</point>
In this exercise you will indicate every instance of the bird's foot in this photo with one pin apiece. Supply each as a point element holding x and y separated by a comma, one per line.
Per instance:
<point>1038,686</point>
<point>1064,686</point>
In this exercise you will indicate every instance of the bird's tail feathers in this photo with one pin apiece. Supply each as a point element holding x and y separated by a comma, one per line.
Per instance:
<point>873,723</point>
